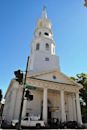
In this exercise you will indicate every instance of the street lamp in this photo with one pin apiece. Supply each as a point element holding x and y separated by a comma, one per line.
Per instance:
<point>19,78</point>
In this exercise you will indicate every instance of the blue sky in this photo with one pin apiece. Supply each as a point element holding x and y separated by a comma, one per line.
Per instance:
<point>18,19</point>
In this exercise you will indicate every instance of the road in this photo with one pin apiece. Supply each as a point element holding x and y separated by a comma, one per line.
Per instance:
<point>31,129</point>
<point>41,129</point>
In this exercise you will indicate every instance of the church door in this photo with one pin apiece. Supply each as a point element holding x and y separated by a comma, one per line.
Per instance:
<point>49,113</point>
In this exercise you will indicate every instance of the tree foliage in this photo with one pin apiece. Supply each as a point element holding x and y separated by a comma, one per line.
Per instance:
<point>82,79</point>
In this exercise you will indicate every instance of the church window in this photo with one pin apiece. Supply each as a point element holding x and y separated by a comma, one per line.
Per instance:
<point>47,46</point>
<point>39,33</point>
<point>54,77</point>
<point>47,34</point>
<point>46,59</point>
<point>37,46</point>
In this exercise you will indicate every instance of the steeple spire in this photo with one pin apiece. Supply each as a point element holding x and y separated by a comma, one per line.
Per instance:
<point>43,56</point>
<point>44,13</point>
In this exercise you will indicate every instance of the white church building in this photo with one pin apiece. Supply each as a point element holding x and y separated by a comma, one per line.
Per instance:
<point>56,95</point>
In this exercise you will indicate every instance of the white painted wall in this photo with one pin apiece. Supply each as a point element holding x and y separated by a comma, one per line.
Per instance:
<point>12,102</point>
<point>40,64</point>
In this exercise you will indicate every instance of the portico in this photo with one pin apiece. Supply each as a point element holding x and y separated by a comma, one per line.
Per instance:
<point>62,106</point>
<point>63,114</point>
<point>67,104</point>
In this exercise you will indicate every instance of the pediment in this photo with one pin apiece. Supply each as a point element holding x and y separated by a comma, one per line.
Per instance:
<point>56,76</point>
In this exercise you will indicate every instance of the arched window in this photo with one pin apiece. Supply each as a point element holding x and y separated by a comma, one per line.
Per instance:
<point>39,33</point>
<point>47,34</point>
<point>37,46</point>
<point>47,46</point>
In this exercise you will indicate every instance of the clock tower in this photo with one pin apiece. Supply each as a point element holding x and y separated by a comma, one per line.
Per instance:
<point>43,57</point>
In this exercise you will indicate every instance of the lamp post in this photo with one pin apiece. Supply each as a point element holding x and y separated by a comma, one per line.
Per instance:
<point>22,100</point>
<point>25,92</point>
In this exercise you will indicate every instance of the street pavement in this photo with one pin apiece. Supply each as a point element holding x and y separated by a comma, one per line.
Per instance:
<point>41,129</point>
<point>30,129</point>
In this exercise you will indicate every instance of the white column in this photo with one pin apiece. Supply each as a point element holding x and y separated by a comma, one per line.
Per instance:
<point>45,110</point>
<point>70,107</point>
<point>79,119</point>
<point>63,115</point>
<point>24,108</point>
<point>74,108</point>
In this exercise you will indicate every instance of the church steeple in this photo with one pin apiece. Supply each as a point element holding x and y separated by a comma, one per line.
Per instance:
<point>44,21</point>
<point>43,57</point>
<point>44,13</point>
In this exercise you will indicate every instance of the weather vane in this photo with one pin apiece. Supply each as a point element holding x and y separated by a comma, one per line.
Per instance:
<point>44,13</point>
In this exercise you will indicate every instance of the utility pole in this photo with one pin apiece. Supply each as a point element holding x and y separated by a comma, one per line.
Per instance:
<point>22,100</point>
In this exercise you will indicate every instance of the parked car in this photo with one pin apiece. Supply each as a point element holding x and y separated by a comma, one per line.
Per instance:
<point>28,122</point>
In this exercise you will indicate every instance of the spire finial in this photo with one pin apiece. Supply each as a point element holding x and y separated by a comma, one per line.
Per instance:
<point>44,13</point>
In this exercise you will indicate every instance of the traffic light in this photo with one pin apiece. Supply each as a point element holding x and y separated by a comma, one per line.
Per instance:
<point>19,76</point>
<point>28,95</point>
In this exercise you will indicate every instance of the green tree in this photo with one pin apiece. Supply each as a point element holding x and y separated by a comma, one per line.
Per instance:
<point>82,79</point>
